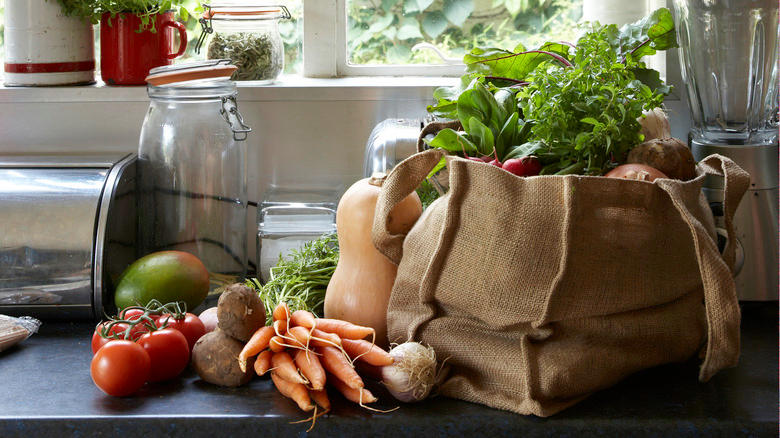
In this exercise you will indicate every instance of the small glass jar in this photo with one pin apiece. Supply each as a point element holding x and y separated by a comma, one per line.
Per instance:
<point>248,36</point>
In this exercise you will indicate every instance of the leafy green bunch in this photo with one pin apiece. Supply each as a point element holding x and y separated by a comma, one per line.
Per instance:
<point>144,9</point>
<point>492,124</point>
<point>585,116</point>
<point>301,279</point>
<point>579,102</point>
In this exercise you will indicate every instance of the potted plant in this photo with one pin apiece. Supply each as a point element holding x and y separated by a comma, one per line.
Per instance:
<point>135,35</point>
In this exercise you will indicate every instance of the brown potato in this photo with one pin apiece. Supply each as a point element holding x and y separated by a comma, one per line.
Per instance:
<point>669,155</point>
<point>240,312</point>
<point>214,358</point>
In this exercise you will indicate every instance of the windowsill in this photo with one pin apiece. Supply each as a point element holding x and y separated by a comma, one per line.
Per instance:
<point>287,88</point>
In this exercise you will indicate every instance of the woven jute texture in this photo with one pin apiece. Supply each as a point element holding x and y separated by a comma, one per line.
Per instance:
<point>541,291</point>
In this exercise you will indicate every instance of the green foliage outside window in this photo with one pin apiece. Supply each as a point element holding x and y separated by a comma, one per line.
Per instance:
<point>384,31</point>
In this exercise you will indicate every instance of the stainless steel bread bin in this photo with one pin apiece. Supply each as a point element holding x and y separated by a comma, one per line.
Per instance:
<point>67,231</point>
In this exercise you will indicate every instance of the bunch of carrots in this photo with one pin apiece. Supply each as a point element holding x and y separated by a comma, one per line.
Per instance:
<point>303,353</point>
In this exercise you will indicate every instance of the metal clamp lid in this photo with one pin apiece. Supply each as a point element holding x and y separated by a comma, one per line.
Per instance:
<point>234,119</point>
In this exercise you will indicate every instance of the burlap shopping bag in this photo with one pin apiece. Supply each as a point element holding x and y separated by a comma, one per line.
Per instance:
<point>543,290</point>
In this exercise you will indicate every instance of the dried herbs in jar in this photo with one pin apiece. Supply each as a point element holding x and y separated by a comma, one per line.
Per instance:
<point>248,36</point>
<point>259,56</point>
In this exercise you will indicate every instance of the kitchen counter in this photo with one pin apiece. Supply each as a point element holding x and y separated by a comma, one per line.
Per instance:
<point>47,391</point>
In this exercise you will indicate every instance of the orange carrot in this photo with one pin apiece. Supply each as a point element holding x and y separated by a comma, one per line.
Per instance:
<point>324,339</point>
<point>276,344</point>
<point>311,368</point>
<point>280,327</point>
<point>257,343</point>
<point>285,368</point>
<point>263,362</point>
<point>301,336</point>
<point>297,392</point>
<point>281,312</point>
<point>344,329</point>
<point>334,361</point>
<point>302,318</point>
<point>321,398</point>
<point>367,352</point>
<point>349,393</point>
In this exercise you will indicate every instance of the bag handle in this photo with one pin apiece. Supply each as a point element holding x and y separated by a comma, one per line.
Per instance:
<point>399,184</point>
<point>720,295</point>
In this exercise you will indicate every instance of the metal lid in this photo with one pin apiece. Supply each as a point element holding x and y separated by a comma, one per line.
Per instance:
<point>216,69</point>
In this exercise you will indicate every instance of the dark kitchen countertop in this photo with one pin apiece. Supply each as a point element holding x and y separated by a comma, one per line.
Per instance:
<point>47,391</point>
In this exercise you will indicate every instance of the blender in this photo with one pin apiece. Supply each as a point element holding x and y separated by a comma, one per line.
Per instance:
<point>728,57</point>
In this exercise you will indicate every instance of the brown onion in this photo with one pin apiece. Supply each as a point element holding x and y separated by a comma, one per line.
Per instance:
<point>640,172</point>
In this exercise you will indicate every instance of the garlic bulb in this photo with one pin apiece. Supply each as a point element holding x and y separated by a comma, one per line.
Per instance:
<point>655,124</point>
<point>413,373</point>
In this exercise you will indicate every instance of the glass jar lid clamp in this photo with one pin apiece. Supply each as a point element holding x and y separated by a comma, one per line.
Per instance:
<point>229,112</point>
<point>246,11</point>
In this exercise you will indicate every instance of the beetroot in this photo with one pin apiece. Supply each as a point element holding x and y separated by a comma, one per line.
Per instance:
<point>514,166</point>
<point>532,165</point>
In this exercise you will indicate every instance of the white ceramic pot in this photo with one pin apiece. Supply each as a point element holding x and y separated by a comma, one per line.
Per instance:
<point>45,47</point>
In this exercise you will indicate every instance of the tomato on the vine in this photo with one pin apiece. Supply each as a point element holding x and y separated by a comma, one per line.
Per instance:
<point>98,340</point>
<point>120,368</point>
<point>140,328</point>
<point>169,353</point>
<point>190,326</point>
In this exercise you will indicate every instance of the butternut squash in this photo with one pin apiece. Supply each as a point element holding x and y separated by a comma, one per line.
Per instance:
<point>360,287</point>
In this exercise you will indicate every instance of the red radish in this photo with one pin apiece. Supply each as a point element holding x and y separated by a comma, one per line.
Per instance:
<point>532,165</point>
<point>514,166</point>
<point>478,160</point>
<point>486,158</point>
<point>495,162</point>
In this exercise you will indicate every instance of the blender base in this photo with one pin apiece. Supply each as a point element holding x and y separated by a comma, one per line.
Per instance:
<point>756,219</point>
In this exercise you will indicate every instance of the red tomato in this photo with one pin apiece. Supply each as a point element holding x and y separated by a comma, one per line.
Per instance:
<point>190,326</point>
<point>131,314</point>
<point>120,368</point>
<point>99,341</point>
<point>139,329</point>
<point>168,351</point>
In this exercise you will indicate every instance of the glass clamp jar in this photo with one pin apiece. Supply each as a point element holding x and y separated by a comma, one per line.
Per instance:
<point>191,185</point>
<point>248,35</point>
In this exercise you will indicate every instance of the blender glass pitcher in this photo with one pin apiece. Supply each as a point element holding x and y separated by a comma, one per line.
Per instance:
<point>728,55</point>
